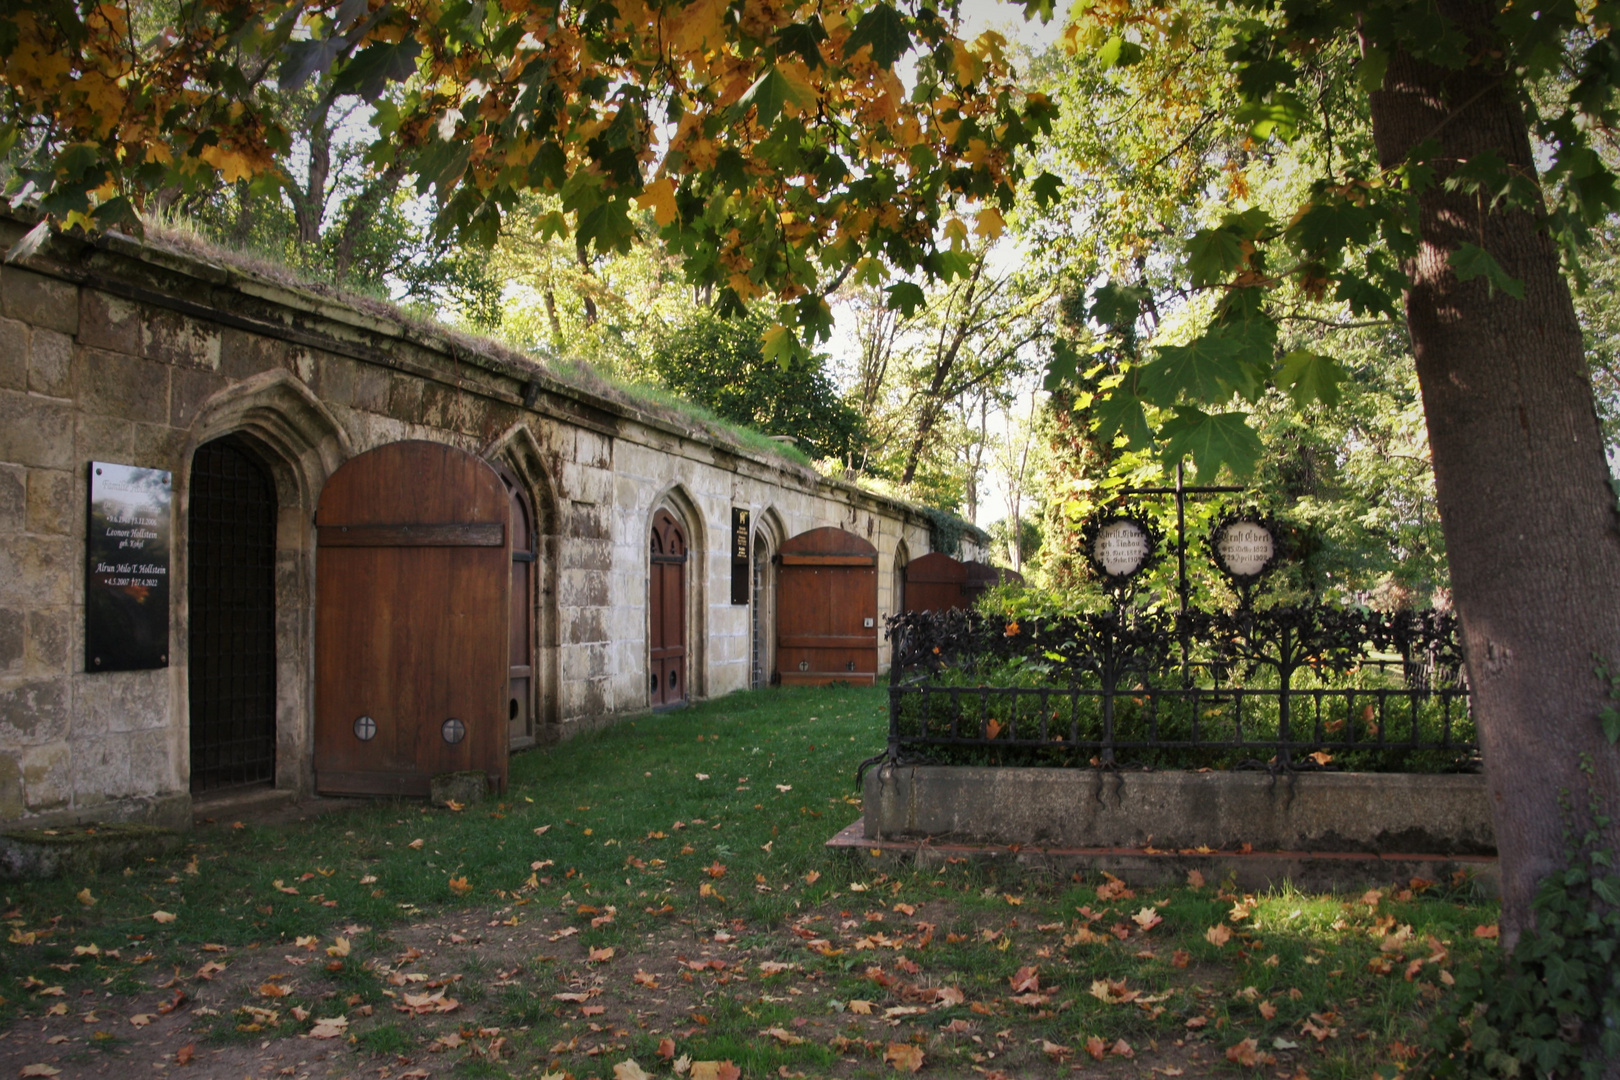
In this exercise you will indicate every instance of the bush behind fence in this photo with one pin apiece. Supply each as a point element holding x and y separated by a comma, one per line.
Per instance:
<point>1296,687</point>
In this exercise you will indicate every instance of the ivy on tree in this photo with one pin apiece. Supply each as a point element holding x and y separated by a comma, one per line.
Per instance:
<point>1457,174</point>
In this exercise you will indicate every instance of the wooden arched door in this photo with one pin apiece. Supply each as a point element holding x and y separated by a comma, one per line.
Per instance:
<point>666,678</point>
<point>826,611</point>
<point>934,582</point>
<point>413,580</point>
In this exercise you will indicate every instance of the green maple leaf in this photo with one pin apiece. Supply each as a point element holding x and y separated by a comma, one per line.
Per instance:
<point>905,298</point>
<point>1364,297</point>
<point>1046,188</point>
<point>1328,228</point>
<point>1212,254</point>
<point>1212,440</point>
<point>1309,377</point>
<point>1209,369</point>
<point>371,69</point>
<point>1470,261</point>
<point>1120,413</point>
<point>884,30</point>
<point>768,94</point>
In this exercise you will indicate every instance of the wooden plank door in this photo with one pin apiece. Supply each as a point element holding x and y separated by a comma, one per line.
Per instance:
<point>666,677</point>
<point>826,613</point>
<point>413,578</point>
<point>934,583</point>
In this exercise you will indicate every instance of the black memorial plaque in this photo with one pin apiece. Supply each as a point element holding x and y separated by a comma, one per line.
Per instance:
<point>126,580</point>
<point>739,555</point>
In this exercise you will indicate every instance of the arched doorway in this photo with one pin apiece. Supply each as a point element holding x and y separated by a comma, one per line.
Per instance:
<point>827,597</point>
<point>762,616</point>
<point>525,564</point>
<point>666,680</point>
<point>933,582</point>
<point>231,620</point>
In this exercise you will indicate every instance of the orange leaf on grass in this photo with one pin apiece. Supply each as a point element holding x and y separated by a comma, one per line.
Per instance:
<point>1218,935</point>
<point>1025,980</point>
<point>1246,1052</point>
<point>905,1057</point>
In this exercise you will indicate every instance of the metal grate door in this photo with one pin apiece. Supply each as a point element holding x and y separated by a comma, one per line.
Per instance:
<point>231,594</point>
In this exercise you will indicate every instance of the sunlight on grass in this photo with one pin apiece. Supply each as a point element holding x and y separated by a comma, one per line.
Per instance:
<point>691,845</point>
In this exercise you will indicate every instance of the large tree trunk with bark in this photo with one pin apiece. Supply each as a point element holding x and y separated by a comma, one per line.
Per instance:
<point>1529,518</point>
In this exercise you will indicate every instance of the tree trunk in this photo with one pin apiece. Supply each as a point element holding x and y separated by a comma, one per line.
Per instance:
<point>1529,518</point>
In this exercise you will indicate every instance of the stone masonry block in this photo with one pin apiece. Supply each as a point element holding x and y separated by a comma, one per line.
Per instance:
<point>34,431</point>
<point>50,363</point>
<point>123,386</point>
<point>462,788</point>
<point>177,339</point>
<point>188,390</point>
<point>13,641</point>
<point>49,641</point>
<point>370,388</point>
<point>13,498</point>
<point>13,355</point>
<point>588,522</point>
<point>124,701</point>
<point>405,397</point>
<point>150,770</point>
<point>101,768</point>
<point>39,300</point>
<point>33,713</point>
<point>242,354</point>
<point>158,446</point>
<point>36,571</point>
<point>11,788</point>
<point>47,776</point>
<point>52,507</point>
<point>108,322</point>
<point>582,588</point>
<point>334,380</point>
<point>102,438</point>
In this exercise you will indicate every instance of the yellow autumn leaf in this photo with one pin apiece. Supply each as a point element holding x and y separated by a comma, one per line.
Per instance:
<point>696,27</point>
<point>233,164</point>
<point>989,223</point>
<point>659,197</point>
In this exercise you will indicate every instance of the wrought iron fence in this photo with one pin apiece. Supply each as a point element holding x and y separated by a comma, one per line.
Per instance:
<point>1284,687</point>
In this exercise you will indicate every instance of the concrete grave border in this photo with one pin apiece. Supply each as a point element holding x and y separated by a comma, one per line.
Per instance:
<point>1315,829</point>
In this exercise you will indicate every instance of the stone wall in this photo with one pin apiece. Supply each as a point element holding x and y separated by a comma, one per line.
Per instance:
<point>134,354</point>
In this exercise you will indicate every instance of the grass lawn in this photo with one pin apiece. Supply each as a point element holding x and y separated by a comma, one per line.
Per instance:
<point>659,892</point>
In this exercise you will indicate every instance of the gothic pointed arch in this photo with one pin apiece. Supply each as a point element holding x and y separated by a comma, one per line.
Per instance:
<point>274,420</point>
<point>676,503</point>
<point>532,701</point>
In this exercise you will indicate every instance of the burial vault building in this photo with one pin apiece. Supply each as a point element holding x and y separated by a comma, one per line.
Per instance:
<point>253,534</point>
